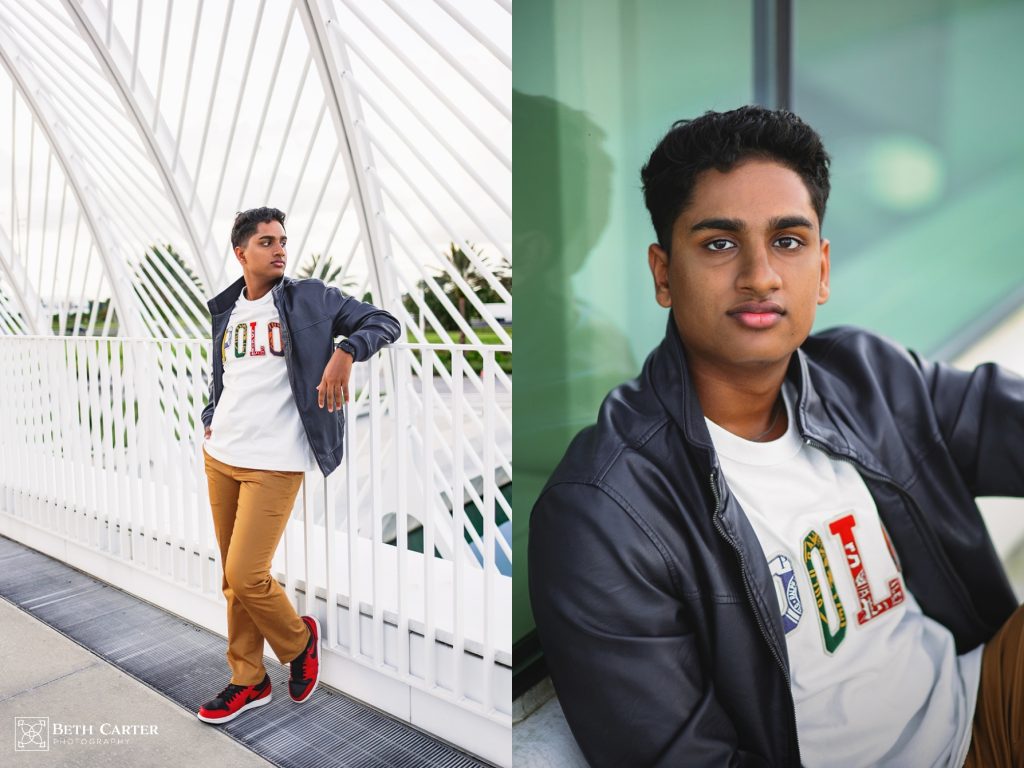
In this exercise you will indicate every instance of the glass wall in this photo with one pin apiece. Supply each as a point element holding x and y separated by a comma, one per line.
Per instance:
<point>920,106</point>
<point>918,103</point>
<point>595,85</point>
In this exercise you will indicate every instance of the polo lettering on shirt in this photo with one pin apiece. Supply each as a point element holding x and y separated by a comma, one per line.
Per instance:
<point>257,423</point>
<point>788,587</point>
<point>874,680</point>
<point>833,637</point>
<point>241,339</point>
<point>869,609</point>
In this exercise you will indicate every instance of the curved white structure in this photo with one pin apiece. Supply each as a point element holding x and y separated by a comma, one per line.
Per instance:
<point>136,129</point>
<point>382,128</point>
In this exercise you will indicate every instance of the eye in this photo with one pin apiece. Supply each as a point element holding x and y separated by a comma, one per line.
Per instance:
<point>788,242</point>
<point>718,245</point>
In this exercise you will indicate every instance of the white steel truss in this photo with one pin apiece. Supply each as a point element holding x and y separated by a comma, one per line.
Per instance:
<point>136,130</point>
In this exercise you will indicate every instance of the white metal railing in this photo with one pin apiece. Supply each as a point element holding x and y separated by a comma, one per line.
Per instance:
<point>101,465</point>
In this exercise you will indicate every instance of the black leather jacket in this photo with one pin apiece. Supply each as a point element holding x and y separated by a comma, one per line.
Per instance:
<point>653,600</point>
<point>311,314</point>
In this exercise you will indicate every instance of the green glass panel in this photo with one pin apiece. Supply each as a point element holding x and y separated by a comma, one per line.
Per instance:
<point>919,105</point>
<point>596,83</point>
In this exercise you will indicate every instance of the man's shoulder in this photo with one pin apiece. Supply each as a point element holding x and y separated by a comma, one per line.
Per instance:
<point>844,339</point>
<point>599,471</point>
<point>310,295</point>
<point>850,350</point>
<point>629,416</point>
<point>304,284</point>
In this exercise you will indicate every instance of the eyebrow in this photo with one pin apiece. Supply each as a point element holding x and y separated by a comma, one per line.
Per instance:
<point>273,237</point>
<point>729,225</point>
<point>790,222</point>
<point>736,225</point>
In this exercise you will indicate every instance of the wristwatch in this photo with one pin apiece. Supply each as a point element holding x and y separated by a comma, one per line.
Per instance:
<point>346,345</point>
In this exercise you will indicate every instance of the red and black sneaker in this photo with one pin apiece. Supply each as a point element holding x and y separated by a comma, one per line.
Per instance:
<point>234,700</point>
<point>305,673</point>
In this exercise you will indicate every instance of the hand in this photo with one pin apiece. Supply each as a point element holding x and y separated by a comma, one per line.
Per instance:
<point>208,432</point>
<point>334,383</point>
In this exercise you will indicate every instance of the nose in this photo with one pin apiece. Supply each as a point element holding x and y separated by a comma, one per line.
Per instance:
<point>757,276</point>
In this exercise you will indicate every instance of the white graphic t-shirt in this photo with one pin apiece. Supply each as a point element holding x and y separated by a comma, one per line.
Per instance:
<point>875,681</point>
<point>256,423</point>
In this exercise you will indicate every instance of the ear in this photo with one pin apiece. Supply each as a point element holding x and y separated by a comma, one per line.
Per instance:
<point>240,254</point>
<point>823,286</point>
<point>657,259</point>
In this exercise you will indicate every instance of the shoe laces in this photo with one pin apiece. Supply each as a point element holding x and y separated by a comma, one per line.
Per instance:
<point>231,692</point>
<point>298,664</point>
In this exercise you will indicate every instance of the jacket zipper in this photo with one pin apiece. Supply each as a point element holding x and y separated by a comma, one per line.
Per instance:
<point>926,533</point>
<point>757,615</point>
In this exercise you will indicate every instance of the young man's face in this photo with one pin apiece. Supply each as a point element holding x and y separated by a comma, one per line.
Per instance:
<point>264,256</point>
<point>748,266</point>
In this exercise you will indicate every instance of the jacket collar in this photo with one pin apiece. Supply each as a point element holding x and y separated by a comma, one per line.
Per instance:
<point>674,387</point>
<point>226,299</point>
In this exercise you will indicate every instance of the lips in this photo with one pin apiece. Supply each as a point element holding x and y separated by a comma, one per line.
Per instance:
<point>757,315</point>
<point>277,263</point>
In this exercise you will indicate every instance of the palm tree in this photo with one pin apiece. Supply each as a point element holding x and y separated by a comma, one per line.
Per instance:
<point>324,268</point>
<point>172,286</point>
<point>474,278</point>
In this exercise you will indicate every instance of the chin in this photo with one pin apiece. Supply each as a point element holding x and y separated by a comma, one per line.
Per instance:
<point>768,349</point>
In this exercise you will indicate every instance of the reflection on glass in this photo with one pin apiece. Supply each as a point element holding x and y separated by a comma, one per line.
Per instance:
<point>571,349</point>
<point>596,84</point>
<point>919,106</point>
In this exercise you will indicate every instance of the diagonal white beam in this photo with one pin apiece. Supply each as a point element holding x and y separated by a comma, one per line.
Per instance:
<point>27,299</point>
<point>78,178</point>
<point>345,113</point>
<point>115,60</point>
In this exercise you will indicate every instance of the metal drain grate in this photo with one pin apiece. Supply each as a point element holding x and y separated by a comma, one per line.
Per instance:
<point>182,661</point>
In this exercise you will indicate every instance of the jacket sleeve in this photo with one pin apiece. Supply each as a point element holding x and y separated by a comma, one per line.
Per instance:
<point>366,327</point>
<point>616,639</point>
<point>207,416</point>
<point>981,416</point>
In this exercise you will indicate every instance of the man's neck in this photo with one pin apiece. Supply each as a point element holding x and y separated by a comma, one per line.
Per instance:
<point>255,289</point>
<point>744,402</point>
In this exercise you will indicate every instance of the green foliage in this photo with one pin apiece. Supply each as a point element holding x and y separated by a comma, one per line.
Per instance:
<point>169,279</point>
<point>16,323</point>
<point>170,285</point>
<point>77,323</point>
<point>475,359</point>
<point>326,269</point>
<point>474,279</point>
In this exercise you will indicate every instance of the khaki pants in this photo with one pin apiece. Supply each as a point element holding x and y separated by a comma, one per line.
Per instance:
<point>997,735</point>
<point>250,509</point>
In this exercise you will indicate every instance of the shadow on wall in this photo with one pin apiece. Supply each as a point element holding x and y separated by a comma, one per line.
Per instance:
<point>569,353</point>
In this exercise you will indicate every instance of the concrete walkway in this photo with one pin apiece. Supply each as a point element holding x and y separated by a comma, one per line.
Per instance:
<point>47,675</point>
<point>104,678</point>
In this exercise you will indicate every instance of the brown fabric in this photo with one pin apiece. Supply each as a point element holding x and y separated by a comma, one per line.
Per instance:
<point>997,735</point>
<point>250,509</point>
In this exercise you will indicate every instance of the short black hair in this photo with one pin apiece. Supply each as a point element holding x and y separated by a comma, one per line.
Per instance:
<point>247,222</point>
<point>721,140</point>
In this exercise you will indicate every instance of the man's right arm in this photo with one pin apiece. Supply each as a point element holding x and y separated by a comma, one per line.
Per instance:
<point>622,655</point>
<point>207,416</point>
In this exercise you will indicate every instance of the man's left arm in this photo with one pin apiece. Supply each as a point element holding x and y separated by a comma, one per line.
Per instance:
<point>981,415</point>
<point>367,329</point>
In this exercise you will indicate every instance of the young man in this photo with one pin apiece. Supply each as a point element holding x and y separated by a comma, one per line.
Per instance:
<point>275,411</point>
<point>767,550</point>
